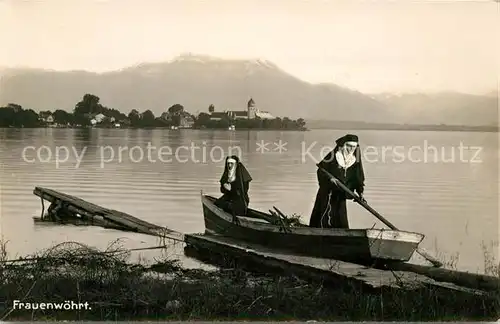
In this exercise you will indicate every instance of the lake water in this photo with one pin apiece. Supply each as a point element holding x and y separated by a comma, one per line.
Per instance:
<point>442,184</point>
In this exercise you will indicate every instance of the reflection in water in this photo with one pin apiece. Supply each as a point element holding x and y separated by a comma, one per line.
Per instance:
<point>83,136</point>
<point>454,204</point>
<point>8,134</point>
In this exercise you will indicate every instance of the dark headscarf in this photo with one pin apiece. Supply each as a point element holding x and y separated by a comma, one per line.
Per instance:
<point>330,157</point>
<point>329,163</point>
<point>346,138</point>
<point>241,171</point>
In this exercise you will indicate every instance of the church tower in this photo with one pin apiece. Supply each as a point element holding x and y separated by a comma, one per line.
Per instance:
<point>251,109</point>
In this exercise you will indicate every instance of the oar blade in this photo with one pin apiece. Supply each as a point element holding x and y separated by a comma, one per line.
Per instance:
<point>435,262</point>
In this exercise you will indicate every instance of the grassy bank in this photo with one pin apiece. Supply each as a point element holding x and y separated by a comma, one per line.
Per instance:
<point>116,290</point>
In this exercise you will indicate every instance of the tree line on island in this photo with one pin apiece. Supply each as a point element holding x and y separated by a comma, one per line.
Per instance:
<point>89,112</point>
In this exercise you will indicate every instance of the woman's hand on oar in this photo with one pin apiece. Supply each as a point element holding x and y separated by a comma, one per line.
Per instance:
<point>334,181</point>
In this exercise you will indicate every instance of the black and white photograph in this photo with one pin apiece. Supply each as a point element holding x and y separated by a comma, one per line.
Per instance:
<point>249,160</point>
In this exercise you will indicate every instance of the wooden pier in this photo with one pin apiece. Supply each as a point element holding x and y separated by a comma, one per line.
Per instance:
<point>67,209</point>
<point>262,259</point>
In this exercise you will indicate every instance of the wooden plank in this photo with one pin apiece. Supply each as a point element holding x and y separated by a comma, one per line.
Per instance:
<point>90,210</point>
<point>52,195</point>
<point>461,278</point>
<point>110,218</point>
<point>118,216</point>
<point>72,208</point>
<point>132,226</point>
<point>320,268</point>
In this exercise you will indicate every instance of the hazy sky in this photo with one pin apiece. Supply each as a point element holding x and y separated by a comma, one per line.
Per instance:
<point>370,46</point>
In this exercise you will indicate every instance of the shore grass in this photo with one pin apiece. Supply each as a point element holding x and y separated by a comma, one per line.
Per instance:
<point>116,290</point>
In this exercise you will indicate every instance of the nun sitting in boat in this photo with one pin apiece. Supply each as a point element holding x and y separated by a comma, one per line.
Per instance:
<point>234,185</point>
<point>344,163</point>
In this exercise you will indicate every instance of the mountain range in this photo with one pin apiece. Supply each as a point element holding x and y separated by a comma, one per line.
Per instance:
<point>196,81</point>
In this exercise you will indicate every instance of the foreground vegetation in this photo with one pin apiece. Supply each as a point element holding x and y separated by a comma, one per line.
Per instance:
<point>116,290</point>
<point>86,110</point>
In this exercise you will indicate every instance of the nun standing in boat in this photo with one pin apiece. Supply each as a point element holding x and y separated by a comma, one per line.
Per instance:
<point>344,163</point>
<point>234,185</point>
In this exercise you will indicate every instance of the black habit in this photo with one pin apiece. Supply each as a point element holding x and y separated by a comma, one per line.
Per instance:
<point>236,199</point>
<point>330,210</point>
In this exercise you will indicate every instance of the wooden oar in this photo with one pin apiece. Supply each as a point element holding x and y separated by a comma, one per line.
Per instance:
<point>360,201</point>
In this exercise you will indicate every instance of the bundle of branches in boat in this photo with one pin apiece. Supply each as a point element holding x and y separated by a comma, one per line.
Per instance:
<point>280,218</point>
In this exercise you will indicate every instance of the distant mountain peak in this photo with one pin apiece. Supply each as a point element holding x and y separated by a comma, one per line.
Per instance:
<point>193,57</point>
<point>201,58</point>
<point>264,63</point>
<point>195,81</point>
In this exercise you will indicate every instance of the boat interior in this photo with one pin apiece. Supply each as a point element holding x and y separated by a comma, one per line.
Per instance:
<point>254,215</point>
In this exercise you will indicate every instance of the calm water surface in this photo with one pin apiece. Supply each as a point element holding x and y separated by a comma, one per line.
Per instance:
<point>449,193</point>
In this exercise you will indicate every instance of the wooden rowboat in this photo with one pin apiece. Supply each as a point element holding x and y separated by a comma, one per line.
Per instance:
<point>365,246</point>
